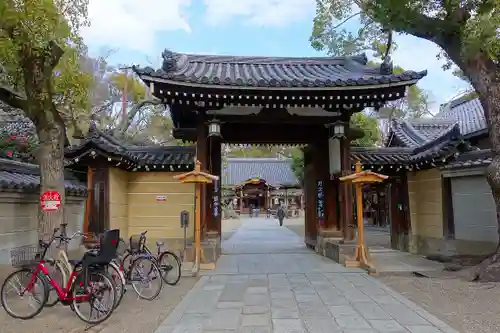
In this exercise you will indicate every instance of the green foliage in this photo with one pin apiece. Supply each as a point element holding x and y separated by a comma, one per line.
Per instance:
<point>298,164</point>
<point>369,126</point>
<point>135,90</point>
<point>473,24</point>
<point>414,105</point>
<point>40,52</point>
<point>329,34</point>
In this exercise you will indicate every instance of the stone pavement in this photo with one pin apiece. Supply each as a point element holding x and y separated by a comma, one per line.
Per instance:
<point>268,281</point>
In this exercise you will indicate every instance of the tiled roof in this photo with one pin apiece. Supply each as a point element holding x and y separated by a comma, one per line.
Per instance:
<point>422,141</point>
<point>471,159</point>
<point>100,143</point>
<point>273,71</point>
<point>380,156</point>
<point>169,155</point>
<point>416,132</point>
<point>18,176</point>
<point>13,122</point>
<point>17,128</point>
<point>274,171</point>
<point>468,113</point>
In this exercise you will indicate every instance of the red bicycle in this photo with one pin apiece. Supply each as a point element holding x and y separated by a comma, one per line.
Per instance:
<point>87,284</point>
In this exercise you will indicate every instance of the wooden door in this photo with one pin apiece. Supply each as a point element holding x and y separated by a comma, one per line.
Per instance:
<point>400,223</point>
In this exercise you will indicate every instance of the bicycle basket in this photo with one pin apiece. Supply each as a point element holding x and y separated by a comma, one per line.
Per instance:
<point>136,244</point>
<point>23,256</point>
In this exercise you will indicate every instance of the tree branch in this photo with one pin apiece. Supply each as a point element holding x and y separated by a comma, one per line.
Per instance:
<point>55,54</point>
<point>133,112</point>
<point>415,23</point>
<point>420,25</point>
<point>346,19</point>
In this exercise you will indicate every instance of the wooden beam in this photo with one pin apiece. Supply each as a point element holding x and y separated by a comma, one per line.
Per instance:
<point>264,133</point>
<point>88,203</point>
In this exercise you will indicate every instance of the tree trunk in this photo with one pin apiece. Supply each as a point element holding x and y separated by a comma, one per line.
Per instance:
<point>51,160</point>
<point>485,78</point>
<point>39,107</point>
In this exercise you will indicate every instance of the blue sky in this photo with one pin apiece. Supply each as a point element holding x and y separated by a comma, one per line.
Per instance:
<point>138,31</point>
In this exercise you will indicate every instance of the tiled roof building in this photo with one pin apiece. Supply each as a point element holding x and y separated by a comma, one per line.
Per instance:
<point>276,172</point>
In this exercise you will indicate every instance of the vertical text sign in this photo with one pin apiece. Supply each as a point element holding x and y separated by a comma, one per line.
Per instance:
<point>320,202</point>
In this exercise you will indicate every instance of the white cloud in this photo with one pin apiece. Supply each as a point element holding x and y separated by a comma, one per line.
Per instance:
<point>133,24</point>
<point>259,12</point>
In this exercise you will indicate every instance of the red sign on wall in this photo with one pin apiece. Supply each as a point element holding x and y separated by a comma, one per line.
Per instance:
<point>161,198</point>
<point>50,201</point>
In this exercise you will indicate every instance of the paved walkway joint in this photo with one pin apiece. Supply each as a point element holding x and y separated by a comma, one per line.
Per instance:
<point>268,281</point>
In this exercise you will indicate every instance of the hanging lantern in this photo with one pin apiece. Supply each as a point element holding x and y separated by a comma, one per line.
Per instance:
<point>214,128</point>
<point>336,132</point>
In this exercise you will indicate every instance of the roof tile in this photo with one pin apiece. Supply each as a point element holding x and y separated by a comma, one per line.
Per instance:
<point>105,144</point>
<point>468,113</point>
<point>272,71</point>
<point>274,171</point>
<point>474,158</point>
<point>19,176</point>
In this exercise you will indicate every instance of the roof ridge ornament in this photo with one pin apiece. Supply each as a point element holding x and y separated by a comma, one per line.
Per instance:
<point>169,63</point>
<point>93,130</point>
<point>362,57</point>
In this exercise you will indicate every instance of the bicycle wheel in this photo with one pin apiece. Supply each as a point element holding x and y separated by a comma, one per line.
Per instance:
<point>145,272</point>
<point>98,284</point>
<point>37,293</point>
<point>170,266</point>
<point>114,270</point>
<point>126,262</point>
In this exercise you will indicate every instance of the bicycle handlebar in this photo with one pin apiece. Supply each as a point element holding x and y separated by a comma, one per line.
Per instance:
<point>66,239</point>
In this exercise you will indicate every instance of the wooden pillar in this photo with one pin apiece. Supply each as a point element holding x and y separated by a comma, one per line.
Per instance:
<point>215,218</point>
<point>320,160</point>
<point>88,207</point>
<point>202,156</point>
<point>330,226</point>
<point>266,199</point>
<point>346,192</point>
<point>311,230</point>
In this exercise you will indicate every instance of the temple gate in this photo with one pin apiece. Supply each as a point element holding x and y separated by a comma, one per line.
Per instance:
<point>264,100</point>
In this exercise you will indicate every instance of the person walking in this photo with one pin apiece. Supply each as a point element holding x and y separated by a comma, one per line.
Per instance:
<point>280,214</point>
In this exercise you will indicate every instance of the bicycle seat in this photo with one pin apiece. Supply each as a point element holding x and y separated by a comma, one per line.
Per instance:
<point>159,243</point>
<point>106,250</point>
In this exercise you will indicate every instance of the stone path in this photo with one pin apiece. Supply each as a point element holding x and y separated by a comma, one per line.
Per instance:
<point>267,281</point>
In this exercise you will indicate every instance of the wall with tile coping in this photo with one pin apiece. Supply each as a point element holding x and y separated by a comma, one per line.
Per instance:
<point>19,221</point>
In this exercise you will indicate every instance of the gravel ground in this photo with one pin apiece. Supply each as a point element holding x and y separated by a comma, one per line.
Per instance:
<point>132,316</point>
<point>469,307</point>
